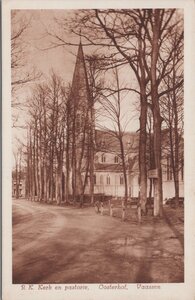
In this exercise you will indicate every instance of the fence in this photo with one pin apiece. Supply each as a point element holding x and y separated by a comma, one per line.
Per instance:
<point>115,207</point>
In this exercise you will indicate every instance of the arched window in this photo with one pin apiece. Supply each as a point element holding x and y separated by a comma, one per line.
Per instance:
<point>116,159</point>
<point>121,179</point>
<point>103,158</point>
<point>108,179</point>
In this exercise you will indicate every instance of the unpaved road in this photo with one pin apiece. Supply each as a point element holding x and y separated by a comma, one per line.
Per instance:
<point>69,245</point>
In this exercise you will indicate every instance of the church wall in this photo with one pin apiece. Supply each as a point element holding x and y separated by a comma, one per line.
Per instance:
<point>108,183</point>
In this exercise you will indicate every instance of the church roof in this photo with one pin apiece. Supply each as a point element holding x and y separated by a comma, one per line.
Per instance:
<point>108,167</point>
<point>107,141</point>
<point>115,168</point>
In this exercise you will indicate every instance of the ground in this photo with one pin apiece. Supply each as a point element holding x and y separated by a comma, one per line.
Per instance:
<point>53,244</point>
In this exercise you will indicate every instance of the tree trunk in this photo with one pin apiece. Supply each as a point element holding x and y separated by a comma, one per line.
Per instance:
<point>67,179</point>
<point>176,137</point>
<point>59,183</point>
<point>143,133</point>
<point>37,174</point>
<point>27,181</point>
<point>45,181</point>
<point>67,151</point>
<point>158,196</point>
<point>91,147</point>
<point>142,156</point>
<point>91,169</point>
<point>124,202</point>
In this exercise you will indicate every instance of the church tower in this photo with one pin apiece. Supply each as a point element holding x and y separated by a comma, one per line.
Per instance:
<point>80,85</point>
<point>81,150</point>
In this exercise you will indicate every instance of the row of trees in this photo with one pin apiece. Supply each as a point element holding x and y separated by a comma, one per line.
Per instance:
<point>150,42</point>
<point>60,143</point>
<point>46,136</point>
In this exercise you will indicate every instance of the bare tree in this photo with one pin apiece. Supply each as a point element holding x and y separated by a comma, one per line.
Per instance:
<point>141,40</point>
<point>110,28</point>
<point>94,65</point>
<point>22,72</point>
<point>46,139</point>
<point>113,111</point>
<point>162,24</point>
<point>172,110</point>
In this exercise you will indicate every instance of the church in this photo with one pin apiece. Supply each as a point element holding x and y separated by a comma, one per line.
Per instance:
<point>96,162</point>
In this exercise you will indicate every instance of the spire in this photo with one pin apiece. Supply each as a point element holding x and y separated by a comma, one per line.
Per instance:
<point>80,85</point>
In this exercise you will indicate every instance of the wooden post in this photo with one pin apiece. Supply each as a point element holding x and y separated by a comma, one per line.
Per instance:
<point>97,208</point>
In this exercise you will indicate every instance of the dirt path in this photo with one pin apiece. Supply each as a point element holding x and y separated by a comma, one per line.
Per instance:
<point>68,245</point>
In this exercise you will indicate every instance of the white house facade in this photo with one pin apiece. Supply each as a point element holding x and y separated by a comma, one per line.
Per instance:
<point>108,172</point>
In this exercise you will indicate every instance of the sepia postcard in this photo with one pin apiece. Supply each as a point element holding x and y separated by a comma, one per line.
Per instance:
<point>98,150</point>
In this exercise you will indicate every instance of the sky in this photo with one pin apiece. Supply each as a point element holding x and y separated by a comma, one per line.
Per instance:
<point>61,60</point>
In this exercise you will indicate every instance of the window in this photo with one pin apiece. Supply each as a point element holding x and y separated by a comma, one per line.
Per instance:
<point>103,158</point>
<point>108,179</point>
<point>169,169</point>
<point>121,179</point>
<point>116,159</point>
<point>94,178</point>
<point>101,179</point>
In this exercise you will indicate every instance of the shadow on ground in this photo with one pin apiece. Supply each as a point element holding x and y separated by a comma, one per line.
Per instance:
<point>65,245</point>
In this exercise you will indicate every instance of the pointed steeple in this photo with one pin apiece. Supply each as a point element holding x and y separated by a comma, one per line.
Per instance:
<point>80,122</point>
<point>80,85</point>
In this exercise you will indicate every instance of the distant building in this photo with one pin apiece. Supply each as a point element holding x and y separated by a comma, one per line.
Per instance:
<point>18,188</point>
<point>18,183</point>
